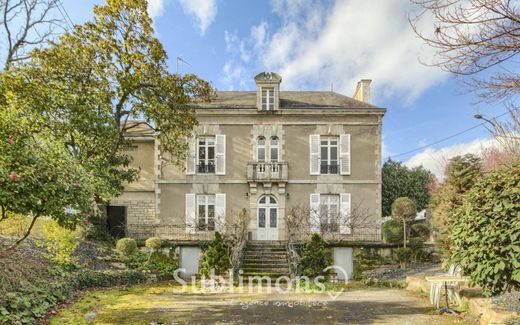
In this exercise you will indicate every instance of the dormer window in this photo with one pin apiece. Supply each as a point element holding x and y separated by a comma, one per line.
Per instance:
<point>268,99</point>
<point>268,91</point>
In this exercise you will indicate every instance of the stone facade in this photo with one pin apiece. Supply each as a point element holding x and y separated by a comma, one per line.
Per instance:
<point>165,199</point>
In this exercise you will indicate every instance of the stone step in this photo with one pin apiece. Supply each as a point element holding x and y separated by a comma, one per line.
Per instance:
<point>263,253</point>
<point>267,249</point>
<point>261,274</point>
<point>263,263</point>
<point>267,270</point>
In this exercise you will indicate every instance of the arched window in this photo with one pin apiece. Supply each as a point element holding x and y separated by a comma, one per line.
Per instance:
<point>267,210</point>
<point>274,149</point>
<point>261,149</point>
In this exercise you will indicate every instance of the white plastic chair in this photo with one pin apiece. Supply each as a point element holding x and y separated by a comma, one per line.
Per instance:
<point>452,288</point>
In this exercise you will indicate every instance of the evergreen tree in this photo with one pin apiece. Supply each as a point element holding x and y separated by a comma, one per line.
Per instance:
<point>315,257</point>
<point>215,257</point>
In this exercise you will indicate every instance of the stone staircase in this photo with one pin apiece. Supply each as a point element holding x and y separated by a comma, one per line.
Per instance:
<point>265,258</point>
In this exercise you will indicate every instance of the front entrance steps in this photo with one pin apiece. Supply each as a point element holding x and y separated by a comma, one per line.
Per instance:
<point>265,258</point>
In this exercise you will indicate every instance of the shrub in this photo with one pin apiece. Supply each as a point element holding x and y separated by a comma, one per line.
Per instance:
<point>404,256</point>
<point>92,279</point>
<point>416,245</point>
<point>486,231</point>
<point>392,231</point>
<point>126,246</point>
<point>59,242</point>
<point>315,257</point>
<point>364,260</point>
<point>215,257</point>
<point>404,210</point>
<point>153,243</point>
<point>420,230</point>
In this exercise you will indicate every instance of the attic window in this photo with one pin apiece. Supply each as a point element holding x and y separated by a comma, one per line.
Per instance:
<point>268,99</point>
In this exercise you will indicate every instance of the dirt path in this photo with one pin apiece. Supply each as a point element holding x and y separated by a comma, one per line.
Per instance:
<point>170,306</point>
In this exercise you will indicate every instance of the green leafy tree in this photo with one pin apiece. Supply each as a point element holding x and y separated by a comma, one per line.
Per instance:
<point>404,210</point>
<point>486,231</point>
<point>91,84</point>
<point>78,98</point>
<point>37,176</point>
<point>315,257</point>
<point>461,173</point>
<point>399,180</point>
<point>215,257</point>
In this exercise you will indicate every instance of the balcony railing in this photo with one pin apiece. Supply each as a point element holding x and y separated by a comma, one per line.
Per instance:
<point>206,168</point>
<point>329,169</point>
<point>267,171</point>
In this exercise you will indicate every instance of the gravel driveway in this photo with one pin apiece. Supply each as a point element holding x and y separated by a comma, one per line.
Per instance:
<point>170,306</point>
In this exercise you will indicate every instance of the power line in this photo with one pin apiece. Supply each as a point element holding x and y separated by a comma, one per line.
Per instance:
<point>64,13</point>
<point>444,139</point>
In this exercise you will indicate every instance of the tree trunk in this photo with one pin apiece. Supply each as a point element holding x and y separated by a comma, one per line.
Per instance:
<point>404,234</point>
<point>27,232</point>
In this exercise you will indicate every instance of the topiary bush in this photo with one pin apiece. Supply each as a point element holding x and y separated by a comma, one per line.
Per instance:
<point>420,230</point>
<point>216,256</point>
<point>486,231</point>
<point>404,256</point>
<point>392,231</point>
<point>315,257</point>
<point>153,243</point>
<point>126,246</point>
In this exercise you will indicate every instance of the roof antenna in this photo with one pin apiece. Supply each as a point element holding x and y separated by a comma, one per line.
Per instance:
<point>332,87</point>
<point>180,59</point>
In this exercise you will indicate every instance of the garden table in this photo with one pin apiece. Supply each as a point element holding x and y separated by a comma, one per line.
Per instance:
<point>444,279</point>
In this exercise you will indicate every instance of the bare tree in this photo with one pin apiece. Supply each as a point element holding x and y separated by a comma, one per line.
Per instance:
<point>301,222</point>
<point>26,24</point>
<point>471,36</point>
<point>234,232</point>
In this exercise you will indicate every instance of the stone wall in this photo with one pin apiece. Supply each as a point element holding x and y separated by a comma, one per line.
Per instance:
<point>141,218</point>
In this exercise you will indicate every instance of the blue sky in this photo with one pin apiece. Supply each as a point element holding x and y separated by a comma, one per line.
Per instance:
<point>315,43</point>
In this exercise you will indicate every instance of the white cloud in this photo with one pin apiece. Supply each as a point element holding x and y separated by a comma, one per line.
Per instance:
<point>314,45</point>
<point>435,159</point>
<point>155,8</point>
<point>204,12</point>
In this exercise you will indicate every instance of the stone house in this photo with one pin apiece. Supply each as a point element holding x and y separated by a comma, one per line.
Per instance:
<point>266,151</point>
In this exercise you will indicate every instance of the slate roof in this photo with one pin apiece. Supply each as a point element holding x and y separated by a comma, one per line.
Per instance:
<point>288,100</point>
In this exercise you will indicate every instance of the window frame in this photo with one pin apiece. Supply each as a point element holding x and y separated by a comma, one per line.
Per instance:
<point>204,200</point>
<point>327,201</point>
<point>330,169</point>
<point>206,161</point>
<point>267,98</point>
<point>274,147</point>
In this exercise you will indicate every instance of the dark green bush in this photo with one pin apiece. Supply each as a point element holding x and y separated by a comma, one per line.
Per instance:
<point>420,230</point>
<point>392,232</point>
<point>315,257</point>
<point>126,246</point>
<point>404,256</point>
<point>364,260</point>
<point>216,256</point>
<point>91,279</point>
<point>485,231</point>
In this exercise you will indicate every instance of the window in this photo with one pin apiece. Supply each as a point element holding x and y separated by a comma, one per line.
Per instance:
<point>206,155</point>
<point>268,99</point>
<point>274,149</point>
<point>261,149</point>
<point>205,212</point>
<point>329,213</point>
<point>329,155</point>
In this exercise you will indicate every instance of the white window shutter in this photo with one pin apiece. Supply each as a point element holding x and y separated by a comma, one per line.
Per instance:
<point>344,211</point>
<point>220,154</point>
<point>314,214</point>
<point>220,211</point>
<point>314,144</point>
<point>190,213</point>
<point>344,154</point>
<point>191,157</point>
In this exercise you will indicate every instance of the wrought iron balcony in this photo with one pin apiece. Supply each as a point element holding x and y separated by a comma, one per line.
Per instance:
<point>206,168</point>
<point>329,169</point>
<point>267,171</point>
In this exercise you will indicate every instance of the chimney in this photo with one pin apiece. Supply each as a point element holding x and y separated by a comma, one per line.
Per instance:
<point>363,90</point>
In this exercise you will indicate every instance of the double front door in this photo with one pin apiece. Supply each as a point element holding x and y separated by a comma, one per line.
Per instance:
<point>267,218</point>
